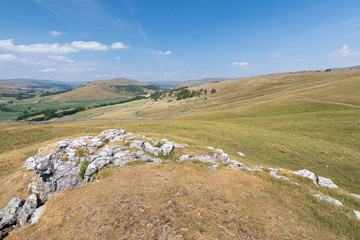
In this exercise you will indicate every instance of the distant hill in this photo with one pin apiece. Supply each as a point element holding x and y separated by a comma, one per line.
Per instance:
<point>107,89</point>
<point>18,85</point>
<point>198,82</point>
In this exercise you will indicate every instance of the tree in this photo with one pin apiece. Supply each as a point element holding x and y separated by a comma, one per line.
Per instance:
<point>213,91</point>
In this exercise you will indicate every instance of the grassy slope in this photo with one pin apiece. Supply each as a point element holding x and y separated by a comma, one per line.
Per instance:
<point>308,127</point>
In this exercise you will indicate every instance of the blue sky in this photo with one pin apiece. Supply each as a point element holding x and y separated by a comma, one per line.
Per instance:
<point>174,40</point>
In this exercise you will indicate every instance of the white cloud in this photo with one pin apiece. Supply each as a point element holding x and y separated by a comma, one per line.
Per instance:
<point>164,53</point>
<point>75,46</point>
<point>275,54</point>
<point>7,57</point>
<point>70,61</point>
<point>117,58</point>
<point>345,51</point>
<point>56,33</point>
<point>47,70</point>
<point>118,45</point>
<point>9,45</point>
<point>91,45</point>
<point>239,64</point>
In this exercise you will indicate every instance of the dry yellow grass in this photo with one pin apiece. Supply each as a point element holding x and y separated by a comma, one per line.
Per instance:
<point>176,202</point>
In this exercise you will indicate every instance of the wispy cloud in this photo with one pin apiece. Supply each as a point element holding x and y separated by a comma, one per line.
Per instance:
<point>8,45</point>
<point>7,57</point>
<point>275,54</point>
<point>164,53</point>
<point>345,51</point>
<point>57,58</point>
<point>239,64</point>
<point>47,70</point>
<point>117,58</point>
<point>173,73</point>
<point>56,33</point>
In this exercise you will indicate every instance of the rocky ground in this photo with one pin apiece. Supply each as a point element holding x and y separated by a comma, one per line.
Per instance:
<point>75,162</point>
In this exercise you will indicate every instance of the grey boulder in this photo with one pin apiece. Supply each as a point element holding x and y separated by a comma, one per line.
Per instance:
<point>329,199</point>
<point>9,214</point>
<point>28,209</point>
<point>306,173</point>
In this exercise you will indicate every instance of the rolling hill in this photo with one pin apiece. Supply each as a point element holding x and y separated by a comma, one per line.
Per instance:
<point>18,85</point>
<point>288,121</point>
<point>198,82</point>
<point>107,89</point>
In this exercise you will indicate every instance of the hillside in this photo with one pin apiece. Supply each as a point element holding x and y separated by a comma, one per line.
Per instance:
<point>198,82</point>
<point>18,85</point>
<point>303,120</point>
<point>107,89</point>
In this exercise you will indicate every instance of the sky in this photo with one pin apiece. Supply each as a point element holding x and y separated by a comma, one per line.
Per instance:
<point>174,40</point>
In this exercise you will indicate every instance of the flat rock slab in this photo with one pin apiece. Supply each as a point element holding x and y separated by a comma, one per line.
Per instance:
<point>326,182</point>
<point>306,173</point>
<point>329,199</point>
<point>357,214</point>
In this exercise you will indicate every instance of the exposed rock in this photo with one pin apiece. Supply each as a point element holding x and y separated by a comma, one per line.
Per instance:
<point>220,150</point>
<point>28,209</point>
<point>273,169</point>
<point>213,167</point>
<point>184,157</point>
<point>122,158</point>
<point>207,159</point>
<point>329,199</point>
<point>355,195</point>
<point>223,157</point>
<point>306,173</point>
<point>295,183</point>
<point>153,150</point>
<point>241,154</point>
<point>111,133</point>
<point>3,235</point>
<point>235,164</point>
<point>357,214</point>
<point>8,215</point>
<point>211,148</point>
<point>167,148</point>
<point>96,165</point>
<point>178,145</point>
<point>138,144</point>
<point>37,213</point>
<point>30,163</point>
<point>326,182</point>
<point>274,174</point>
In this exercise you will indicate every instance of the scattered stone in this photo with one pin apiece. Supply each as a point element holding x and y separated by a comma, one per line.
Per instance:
<point>357,214</point>
<point>167,148</point>
<point>306,173</point>
<point>355,195</point>
<point>206,159</point>
<point>163,140</point>
<point>8,215</point>
<point>329,199</point>
<point>220,150</point>
<point>274,174</point>
<point>211,148</point>
<point>37,214</point>
<point>326,182</point>
<point>3,235</point>
<point>184,157</point>
<point>295,183</point>
<point>213,167</point>
<point>223,157</point>
<point>241,154</point>
<point>273,169</point>
<point>235,164</point>
<point>178,145</point>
